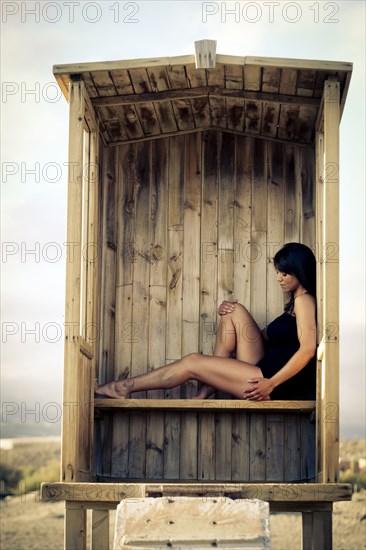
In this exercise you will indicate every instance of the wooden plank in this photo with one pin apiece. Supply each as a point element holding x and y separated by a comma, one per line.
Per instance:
<point>223,450</point>
<point>89,85</point>
<point>330,364</point>
<point>257,448</point>
<point>140,80</point>
<point>252,78</point>
<point>103,83</point>
<point>201,112</point>
<point>275,226</point>
<point>209,236</point>
<point>305,124</point>
<point>235,113</point>
<point>176,178</point>
<point>317,530</point>
<point>291,200</point>
<point>289,115</point>
<point>275,448</point>
<point>148,119</point>
<point>271,79</point>
<point>75,528</point>
<point>306,82</point>
<point>122,81</point>
<point>292,448</point>
<point>158,78</point>
<point>214,404</point>
<point>158,299</point>
<point>258,297</point>
<point>288,81</point>
<point>93,493</point>
<point>242,219</point>
<point>234,77</point>
<point>183,114</point>
<point>177,76</point>
<point>216,76</point>
<point>250,61</point>
<point>270,116</point>
<point>172,442</point>
<point>307,458</point>
<point>253,115</point>
<point>140,304</point>
<point>166,117</point>
<point>191,250</point>
<point>126,331</point>
<point>308,235</point>
<point>225,270</point>
<point>196,77</point>
<point>206,446</point>
<point>71,430</point>
<point>218,112</point>
<point>240,459</point>
<point>128,115</point>
<point>113,120</point>
<point>100,530</point>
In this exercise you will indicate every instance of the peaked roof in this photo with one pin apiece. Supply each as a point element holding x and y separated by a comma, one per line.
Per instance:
<point>269,98</point>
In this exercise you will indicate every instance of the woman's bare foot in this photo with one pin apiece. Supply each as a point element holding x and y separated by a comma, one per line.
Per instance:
<point>115,390</point>
<point>204,392</point>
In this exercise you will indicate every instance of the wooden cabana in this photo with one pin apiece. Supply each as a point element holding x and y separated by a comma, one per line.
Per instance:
<point>184,181</point>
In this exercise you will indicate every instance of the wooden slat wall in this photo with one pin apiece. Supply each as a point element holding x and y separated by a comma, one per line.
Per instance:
<point>198,219</point>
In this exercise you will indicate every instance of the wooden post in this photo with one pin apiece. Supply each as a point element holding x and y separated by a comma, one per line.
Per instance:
<point>317,529</point>
<point>75,526</point>
<point>100,530</point>
<point>319,254</point>
<point>72,416</point>
<point>329,444</point>
<point>205,54</point>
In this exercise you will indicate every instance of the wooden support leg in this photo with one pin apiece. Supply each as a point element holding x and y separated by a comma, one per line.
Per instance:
<point>100,530</point>
<point>75,527</point>
<point>317,530</point>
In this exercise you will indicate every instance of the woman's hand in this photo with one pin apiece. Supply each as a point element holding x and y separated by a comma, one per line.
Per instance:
<point>262,388</point>
<point>226,307</point>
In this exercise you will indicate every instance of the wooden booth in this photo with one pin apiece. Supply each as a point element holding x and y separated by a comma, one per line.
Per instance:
<point>186,176</point>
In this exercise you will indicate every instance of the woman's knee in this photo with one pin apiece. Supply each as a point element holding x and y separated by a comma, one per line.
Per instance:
<point>191,362</point>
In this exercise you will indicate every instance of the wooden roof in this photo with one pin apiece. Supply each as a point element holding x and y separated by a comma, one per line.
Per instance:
<point>270,98</point>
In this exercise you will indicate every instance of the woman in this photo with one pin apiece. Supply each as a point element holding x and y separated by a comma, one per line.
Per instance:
<point>284,369</point>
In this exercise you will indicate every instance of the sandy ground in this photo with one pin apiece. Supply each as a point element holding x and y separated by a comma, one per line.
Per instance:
<point>27,524</point>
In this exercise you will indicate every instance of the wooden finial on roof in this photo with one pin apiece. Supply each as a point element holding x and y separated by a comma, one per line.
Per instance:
<point>205,52</point>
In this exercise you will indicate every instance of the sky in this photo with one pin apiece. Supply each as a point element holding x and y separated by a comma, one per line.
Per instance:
<point>34,138</point>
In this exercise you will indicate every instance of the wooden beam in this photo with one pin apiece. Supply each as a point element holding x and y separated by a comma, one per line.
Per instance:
<point>206,404</point>
<point>190,59</point>
<point>329,444</point>
<point>70,426</point>
<point>214,129</point>
<point>296,63</point>
<point>270,492</point>
<point>203,91</point>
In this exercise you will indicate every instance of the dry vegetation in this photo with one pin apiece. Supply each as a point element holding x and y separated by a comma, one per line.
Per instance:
<point>27,523</point>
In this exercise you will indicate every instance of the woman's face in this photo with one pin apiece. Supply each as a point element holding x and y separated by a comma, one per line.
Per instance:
<point>288,283</point>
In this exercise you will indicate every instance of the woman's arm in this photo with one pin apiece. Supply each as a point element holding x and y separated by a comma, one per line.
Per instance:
<point>304,309</point>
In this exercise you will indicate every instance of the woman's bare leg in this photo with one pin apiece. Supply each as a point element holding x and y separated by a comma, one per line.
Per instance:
<point>225,374</point>
<point>237,331</point>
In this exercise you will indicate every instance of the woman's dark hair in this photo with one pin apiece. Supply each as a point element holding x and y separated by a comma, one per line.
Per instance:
<point>297,259</point>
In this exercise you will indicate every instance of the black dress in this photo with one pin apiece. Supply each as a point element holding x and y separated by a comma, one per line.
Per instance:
<point>281,346</point>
